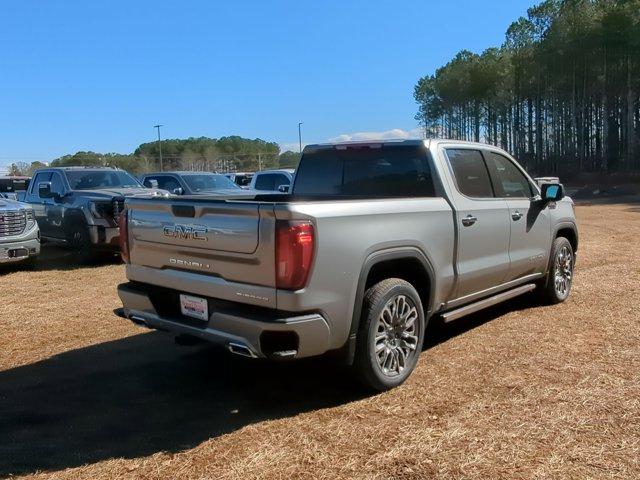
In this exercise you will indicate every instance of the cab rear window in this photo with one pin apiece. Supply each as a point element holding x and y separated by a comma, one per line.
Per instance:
<point>377,171</point>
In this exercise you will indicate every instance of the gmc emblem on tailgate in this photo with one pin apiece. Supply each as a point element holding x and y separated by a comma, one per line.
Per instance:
<point>187,232</point>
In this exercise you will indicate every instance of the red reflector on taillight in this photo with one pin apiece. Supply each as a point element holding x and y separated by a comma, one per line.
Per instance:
<point>123,223</point>
<point>294,253</point>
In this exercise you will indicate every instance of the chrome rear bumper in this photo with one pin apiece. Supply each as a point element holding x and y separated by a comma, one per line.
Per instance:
<point>242,329</point>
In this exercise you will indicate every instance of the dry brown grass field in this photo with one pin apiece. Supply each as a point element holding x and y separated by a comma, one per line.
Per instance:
<point>517,391</point>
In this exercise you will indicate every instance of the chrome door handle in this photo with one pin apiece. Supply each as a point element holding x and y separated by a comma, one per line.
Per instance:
<point>516,215</point>
<point>469,220</point>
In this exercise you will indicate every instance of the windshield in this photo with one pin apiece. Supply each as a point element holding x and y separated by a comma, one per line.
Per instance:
<point>208,182</point>
<point>99,179</point>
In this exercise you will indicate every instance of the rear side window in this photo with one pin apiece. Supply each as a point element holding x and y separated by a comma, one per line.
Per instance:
<point>385,171</point>
<point>470,172</point>
<point>271,181</point>
<point>508,180</point>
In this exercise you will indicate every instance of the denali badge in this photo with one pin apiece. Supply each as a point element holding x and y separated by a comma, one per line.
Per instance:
<point>188,263</point>
<point>192,232</point>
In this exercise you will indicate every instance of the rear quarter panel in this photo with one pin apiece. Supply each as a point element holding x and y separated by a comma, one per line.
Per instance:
<point>348,232</point>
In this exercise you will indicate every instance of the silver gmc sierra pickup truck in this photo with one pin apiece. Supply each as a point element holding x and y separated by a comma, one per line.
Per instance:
<point>372,241</point>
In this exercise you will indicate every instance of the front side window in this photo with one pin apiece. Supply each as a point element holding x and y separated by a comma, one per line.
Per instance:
<point>40,178</point>
<point>470,172</point>
<point>508,180</point>
<point>56,184</point>
<point>100,179</point>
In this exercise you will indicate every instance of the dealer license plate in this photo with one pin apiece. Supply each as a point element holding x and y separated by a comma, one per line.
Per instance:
<point>194,307</point>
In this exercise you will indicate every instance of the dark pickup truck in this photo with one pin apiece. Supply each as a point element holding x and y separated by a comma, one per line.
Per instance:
<point>80,206</point>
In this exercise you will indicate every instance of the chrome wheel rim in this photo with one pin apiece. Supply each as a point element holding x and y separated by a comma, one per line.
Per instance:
<point>563,271</point>
<point>396,338</point>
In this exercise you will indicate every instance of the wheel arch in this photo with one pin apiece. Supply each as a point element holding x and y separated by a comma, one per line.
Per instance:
<point>72,218</point>
<point>570,232</point>
<point>407,263</point>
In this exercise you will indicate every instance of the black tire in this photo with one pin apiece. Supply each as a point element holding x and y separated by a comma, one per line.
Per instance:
<point>80,242</point>
<point>395,343</point>
<point>557,285</point>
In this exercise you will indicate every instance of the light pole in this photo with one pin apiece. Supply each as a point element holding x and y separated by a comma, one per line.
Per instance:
<point>300,136</point>
<point>159,144</point>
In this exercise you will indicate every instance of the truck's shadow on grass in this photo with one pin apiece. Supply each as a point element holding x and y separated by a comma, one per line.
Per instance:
<point>140,395</point>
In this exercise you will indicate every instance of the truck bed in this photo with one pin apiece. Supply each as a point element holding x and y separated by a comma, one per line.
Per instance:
<point>235,258</point>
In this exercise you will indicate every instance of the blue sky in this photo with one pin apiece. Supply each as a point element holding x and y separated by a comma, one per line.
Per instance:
<point>85,75</point>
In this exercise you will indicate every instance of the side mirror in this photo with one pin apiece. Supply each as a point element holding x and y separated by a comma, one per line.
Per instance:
<point>552,192</point>
<point>283,188</point>
<point>177,191</point>
<point>44,190</point>
<point>153,183</point>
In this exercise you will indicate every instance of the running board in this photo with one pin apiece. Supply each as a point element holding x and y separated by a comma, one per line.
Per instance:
<point>486,302</point>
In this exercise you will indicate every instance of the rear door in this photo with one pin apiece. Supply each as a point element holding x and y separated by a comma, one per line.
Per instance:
<point>529,245</point>
<point>482,224</point>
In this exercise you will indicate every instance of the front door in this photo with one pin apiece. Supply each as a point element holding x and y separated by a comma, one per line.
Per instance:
<point>482,224</point>
<point>529,217</point>
<point>39,204</point>
<point>55,208</point>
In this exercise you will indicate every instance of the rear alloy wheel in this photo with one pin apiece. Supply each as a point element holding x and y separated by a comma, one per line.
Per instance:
<point>391,333</point>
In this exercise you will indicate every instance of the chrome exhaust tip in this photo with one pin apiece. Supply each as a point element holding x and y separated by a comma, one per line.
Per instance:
<point>241,349</point>
<point>138,320</point>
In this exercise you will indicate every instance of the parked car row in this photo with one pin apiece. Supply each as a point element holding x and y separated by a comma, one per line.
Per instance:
<point>80,206</point>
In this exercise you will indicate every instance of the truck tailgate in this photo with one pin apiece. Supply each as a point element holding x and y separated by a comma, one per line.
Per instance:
<point>217,248</point>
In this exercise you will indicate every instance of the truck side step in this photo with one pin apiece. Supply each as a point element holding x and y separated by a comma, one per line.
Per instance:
<point>486,302</point>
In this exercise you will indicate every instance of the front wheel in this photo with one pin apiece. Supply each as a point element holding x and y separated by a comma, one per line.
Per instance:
<point>390,337</point>
<point>557,287</point>
<point>80,242</point>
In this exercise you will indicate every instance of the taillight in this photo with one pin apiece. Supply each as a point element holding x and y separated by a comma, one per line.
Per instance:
<point>123,223</point>
<point>294,253</point>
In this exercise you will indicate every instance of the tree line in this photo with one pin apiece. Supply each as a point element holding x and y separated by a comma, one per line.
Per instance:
<point>561,93</point>
<point>225,154</point>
